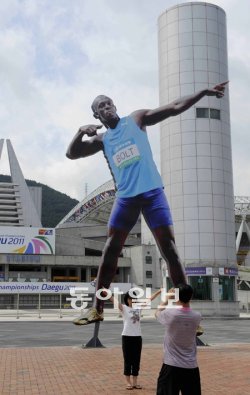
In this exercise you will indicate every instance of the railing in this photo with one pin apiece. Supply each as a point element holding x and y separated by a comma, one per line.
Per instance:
<point>13,306</point>
<point>16,307</point>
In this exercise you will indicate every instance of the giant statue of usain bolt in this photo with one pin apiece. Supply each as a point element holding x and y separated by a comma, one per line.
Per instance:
<point>139,187</point>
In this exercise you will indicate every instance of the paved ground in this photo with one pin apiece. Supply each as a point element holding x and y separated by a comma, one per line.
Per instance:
<point>74,370</point>
<point>30,364</point>
<point>41,333</point>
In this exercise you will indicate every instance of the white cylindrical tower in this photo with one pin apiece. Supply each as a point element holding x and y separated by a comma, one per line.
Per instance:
<point>196,159</point>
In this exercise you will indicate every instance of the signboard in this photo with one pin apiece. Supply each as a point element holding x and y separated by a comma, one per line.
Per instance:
<point>199,271</point>
<point>21,258</point>
<point>228,271</point>
<point>27,240</point>
<point>53,287</point>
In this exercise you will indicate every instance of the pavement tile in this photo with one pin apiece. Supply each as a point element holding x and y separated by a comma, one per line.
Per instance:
<point>91,371</point>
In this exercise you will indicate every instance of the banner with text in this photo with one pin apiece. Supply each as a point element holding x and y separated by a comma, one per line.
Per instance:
<point>27,240</point>
<point>53,287</point>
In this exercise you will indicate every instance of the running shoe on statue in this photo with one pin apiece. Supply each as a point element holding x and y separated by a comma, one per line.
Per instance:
<point>199,331</point>
<point>90,316</point>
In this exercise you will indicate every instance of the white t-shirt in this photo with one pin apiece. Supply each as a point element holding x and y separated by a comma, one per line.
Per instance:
<point>180,336</point>
<point>131,321</point>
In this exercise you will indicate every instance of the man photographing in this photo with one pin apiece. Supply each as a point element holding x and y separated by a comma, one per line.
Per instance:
<point>179,372</point>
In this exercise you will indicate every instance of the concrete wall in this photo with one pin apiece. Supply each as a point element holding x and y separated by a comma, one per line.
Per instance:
<point>140,266</point>
<point>244,300</point>
<point>216,309</point>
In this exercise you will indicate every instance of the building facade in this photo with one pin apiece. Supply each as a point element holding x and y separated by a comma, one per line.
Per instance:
<point>19,204</point>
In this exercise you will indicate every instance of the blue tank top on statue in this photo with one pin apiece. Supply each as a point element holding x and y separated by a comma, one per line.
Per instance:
<point>128,152</point>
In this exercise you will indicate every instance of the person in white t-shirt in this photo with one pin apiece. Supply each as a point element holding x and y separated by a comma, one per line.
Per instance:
<point>131,338</point>
<point>180,371</point>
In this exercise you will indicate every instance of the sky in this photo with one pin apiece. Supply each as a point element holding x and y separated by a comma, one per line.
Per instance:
<point>56,56</point>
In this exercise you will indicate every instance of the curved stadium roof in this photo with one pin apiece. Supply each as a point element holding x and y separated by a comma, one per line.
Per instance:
<point>95,208</point>
<point>242,207</point>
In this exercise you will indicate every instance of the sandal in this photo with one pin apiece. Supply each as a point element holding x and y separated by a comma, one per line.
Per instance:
<point>129,387</point>
<point>137,387</point>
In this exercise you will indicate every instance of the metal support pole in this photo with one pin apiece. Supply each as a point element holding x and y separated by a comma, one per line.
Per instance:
<point>39,305</point>
<point>60,312</point>
<point>17,306</point>
<point>239,235</point>
<point>94,342</point>
<point>247,230</point>
<point>199,342</point>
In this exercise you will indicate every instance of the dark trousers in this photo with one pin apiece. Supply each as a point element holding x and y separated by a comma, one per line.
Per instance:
<point>172,380</point>
<point>131,347</point>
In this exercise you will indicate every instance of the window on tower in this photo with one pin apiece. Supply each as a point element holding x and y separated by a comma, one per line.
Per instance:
<point>202,112</point>
<point>212,113</point>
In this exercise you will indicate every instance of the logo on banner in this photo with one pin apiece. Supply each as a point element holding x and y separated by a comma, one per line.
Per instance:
<point>37,245</point>
<point>45,232</point>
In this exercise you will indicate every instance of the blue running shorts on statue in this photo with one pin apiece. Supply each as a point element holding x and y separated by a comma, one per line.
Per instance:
<point>153,205</point>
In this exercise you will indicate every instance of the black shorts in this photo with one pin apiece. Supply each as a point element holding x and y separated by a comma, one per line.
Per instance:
<point>173,379</point>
